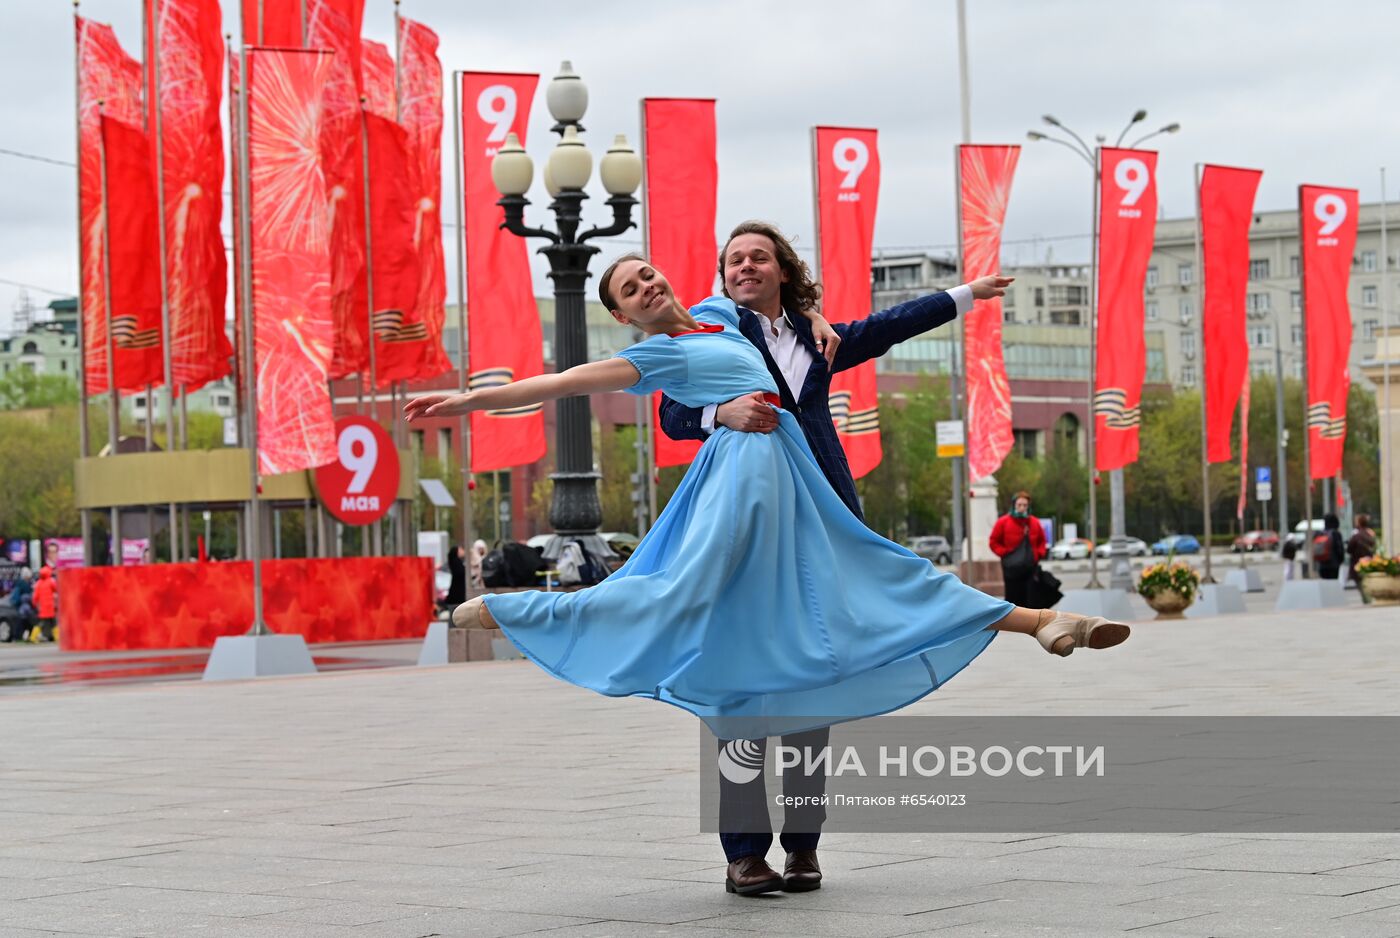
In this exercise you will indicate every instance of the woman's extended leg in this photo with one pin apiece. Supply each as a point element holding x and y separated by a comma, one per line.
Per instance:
<point>1062,632</point>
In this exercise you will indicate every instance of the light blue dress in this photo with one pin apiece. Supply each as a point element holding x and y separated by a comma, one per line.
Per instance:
<point>757,601</point>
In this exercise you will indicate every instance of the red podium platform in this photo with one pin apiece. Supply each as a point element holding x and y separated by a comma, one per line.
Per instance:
<point>189,605</point>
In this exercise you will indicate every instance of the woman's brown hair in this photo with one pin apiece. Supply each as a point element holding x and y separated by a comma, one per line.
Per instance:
<point>801,292</point>
<point>605,282</point>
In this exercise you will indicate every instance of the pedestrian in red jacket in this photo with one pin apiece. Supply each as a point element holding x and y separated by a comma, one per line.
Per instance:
<point>46,602</point>
<point>1018,538</point>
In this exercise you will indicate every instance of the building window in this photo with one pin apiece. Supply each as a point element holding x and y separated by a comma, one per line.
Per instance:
<point>1368,297</point>
<point>1261,337</point>
<point>1297,334</point>
<point>1039,296</point>
<point>1024,442</point>
<point>1188,344</point>
<point>1067,431</point>
<point>1368,261</point>
<point>1009,299</point>
<point>1188,376</point>
<point>63,366</point>
<point>1256,302</point>
<point>1186,308</point>
<point>1369,328</point>
<point>416,443</point>
<point>1293,266</point>
<point>30,348</point>
<point>1151,277</point>
<point>1151,309</point>
<point>1261,366</point>
<point>1259,269</point>
<point>1298,369</point>
<point>444,443</point>
<point>1295,300</point>
<point>1008,314</point>
<point>1185,274</point>
<point>138,401</point>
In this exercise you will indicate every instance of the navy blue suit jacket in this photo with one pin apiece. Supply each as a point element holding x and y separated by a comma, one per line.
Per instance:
<point>861,341</point>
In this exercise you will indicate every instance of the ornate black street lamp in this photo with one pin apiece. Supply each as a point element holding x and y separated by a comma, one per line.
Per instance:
<point>575,512</point>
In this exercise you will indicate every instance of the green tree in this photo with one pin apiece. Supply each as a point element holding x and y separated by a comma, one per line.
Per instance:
<point>23,389</point>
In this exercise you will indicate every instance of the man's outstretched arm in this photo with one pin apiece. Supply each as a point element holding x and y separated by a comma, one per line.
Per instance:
<point>872,337</point>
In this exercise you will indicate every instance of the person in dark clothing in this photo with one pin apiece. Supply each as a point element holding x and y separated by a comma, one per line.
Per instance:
<point>1018,538</point>
<point>457,566</point>
<point>1328,548</point>
<point>1360,545</point>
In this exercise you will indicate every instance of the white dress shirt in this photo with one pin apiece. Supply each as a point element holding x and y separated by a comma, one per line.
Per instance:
<point>792,357</point>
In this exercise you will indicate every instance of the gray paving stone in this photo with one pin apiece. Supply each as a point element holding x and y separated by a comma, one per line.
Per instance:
<point>491,800</point>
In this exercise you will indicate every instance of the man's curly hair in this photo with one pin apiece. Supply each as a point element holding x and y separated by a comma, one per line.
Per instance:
<point>801,292</point>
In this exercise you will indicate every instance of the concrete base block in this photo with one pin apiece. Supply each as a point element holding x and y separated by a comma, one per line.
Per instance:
<point>1309,594</point>
<point>434,650</point>
<point>1246,580</point>
<point>1216,599</point>
<point>1111,604</point>
<point>237,657</point>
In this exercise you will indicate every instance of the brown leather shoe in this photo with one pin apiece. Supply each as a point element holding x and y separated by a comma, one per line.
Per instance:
<point>749,876</point>
<point>801,872</point>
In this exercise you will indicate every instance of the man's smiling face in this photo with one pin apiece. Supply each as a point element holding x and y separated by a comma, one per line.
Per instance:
<point>752,276</point>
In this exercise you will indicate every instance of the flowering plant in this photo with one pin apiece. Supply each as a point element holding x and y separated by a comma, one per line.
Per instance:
<point>1177,577</point>
<point>1387,566</point>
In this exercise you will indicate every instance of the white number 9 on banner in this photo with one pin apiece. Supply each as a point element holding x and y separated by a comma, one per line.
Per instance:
<point>1331,210</point>
<point>850,156</point>
<point>361,464</point>
<point>496,105</point>
<point>1132,177</point>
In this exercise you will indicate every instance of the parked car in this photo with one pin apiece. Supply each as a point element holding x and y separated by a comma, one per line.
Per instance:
<point>1137,547</point>
<point>1177,544</point>
<point>1251,541</point>
<point>12,622</point>
<point>934,547</point>
<point>1071,549</point>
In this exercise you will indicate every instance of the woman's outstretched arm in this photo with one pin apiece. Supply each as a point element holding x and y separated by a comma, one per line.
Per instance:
<point>614,374</point>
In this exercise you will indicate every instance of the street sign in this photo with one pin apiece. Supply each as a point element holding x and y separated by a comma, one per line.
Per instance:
<point>1263,491</point>
<point>1263,475</point>
<point>360,485</point>
<point>950,438</point>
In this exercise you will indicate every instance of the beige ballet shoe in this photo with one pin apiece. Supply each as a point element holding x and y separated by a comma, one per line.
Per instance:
<point>473,614</point>
<point>1063,632</point>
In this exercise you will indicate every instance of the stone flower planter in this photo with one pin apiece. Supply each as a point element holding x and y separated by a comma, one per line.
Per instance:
<point>1169,604</point>
<point>1381,588</point>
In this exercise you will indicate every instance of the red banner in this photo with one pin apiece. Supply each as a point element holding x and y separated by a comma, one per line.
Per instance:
<point>1227,207</point>
<point>682,181</point>
<point>290,252</point>
<point>984,183</point>
<point>393,286</point>
<point>420,113</point>
<point>335,25</point>
<point>1327,230</point>
<point>848,189</point>
<point>1127,220</point>
<point>503,322</point>
<point>133,241</point>
<point>107,74</point>
<point>189,605</point>
<point>186,44</point>
<point>377,69</point>
<point>235,85</point>
<point>273,22</point>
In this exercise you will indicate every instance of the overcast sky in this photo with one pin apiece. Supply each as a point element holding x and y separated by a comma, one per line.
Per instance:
<point>1304,90</point>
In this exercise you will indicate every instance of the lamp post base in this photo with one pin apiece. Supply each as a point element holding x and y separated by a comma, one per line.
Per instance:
<point>238,657</point>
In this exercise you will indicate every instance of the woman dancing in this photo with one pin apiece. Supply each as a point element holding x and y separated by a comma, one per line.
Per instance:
<point>758,601</point>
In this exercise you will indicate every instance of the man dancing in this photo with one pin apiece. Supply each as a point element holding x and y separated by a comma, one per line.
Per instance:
<point>772,286</point>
